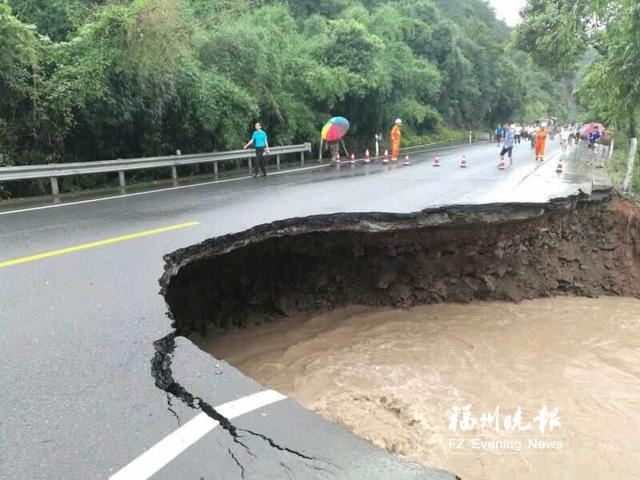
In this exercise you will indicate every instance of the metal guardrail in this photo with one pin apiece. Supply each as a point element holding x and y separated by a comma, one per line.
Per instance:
<point>475,138</point>
<point>435,146</point>
<point>55,170</point>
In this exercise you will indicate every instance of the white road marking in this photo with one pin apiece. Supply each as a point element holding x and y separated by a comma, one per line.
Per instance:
<point>181,187</point>
<point>151,461</point>
<point>168,189</point>
<point>535,170</point>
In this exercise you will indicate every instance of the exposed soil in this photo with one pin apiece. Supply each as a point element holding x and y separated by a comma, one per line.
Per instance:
<point>574,246</point>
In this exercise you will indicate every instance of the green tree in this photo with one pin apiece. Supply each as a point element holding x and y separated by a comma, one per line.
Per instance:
<point>101,79</point>
<point>559,33</point>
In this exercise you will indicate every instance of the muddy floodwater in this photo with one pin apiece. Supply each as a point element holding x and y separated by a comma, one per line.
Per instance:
<point>396,378</point>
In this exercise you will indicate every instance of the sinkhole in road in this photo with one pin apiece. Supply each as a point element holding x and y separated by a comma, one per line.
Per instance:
<point>364,287</point>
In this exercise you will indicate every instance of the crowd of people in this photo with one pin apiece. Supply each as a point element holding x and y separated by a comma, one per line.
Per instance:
<point>506,136</point>
<point>510,134</point>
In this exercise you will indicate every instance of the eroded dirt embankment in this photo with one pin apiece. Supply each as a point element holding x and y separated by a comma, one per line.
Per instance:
<point>573,246</point>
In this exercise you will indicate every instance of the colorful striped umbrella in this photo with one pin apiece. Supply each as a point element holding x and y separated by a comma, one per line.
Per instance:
<point>335,129</point>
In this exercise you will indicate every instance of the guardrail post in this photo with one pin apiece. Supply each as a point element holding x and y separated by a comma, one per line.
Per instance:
<point>215,169</point>
<point>174,173</point>
<point>611,148</point>
<point>250,169</point>
<point>123,183</point>
<point>302,159</point>
<point>55,189</point>
<point>278,162</point>
<point>633,150</point>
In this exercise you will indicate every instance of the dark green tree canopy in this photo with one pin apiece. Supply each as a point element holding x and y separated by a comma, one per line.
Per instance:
<point>597,40</point>
<point>101,79</point>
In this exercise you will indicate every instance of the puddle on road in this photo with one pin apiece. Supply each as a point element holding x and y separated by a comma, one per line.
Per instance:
<point>394,377</point>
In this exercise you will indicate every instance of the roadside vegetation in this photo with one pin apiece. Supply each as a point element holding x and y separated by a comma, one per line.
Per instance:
<point>617,166</point>
<point>595,45</point>
<point>97,79</point>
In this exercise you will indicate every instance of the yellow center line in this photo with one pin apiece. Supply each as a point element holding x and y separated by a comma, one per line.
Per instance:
<point>98,243</point>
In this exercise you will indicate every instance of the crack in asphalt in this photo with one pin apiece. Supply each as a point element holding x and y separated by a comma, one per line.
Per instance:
<point>296,453</point>
<point>235,459</point>
<point>161,371</point>
<point>173,412</point>
<point>163,376</point>
<point>237,462</point>
<point>277,446</point>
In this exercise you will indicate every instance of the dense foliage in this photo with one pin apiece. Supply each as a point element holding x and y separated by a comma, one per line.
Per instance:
<point>562,34</point>
<point>99,79</point>
<point>597,42</point>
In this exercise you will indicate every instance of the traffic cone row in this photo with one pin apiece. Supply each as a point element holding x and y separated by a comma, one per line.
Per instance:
<point>367,159</point>
<point>407,160</point>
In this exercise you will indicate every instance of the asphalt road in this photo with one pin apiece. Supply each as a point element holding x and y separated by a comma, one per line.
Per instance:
<point>78,400</point>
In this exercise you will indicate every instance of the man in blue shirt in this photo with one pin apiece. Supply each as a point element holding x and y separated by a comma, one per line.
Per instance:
<point>507,147</point>
<point>594,136</point>
<point>260,142</point>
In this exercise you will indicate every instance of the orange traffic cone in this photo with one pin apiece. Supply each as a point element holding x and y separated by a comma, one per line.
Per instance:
<point>367,158</point>
<point>501,164</point>
<point>436,161</point>
<point>463,162</point>
<point>386,157</point>
<point>407,160</point>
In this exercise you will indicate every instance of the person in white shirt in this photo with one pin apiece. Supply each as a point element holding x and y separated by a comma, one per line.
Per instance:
<point>518,131</point>
<point>564,138</point>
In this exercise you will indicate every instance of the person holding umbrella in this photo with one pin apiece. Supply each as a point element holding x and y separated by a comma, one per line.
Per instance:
<point>594,136</point>
<point>332,133</point>
<point>396,136</point>
<point>261,143</point>
<point>589,129</point>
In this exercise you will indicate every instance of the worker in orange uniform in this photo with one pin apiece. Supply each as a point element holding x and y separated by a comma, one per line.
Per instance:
<point>396,135</point>
<point>541,140</point>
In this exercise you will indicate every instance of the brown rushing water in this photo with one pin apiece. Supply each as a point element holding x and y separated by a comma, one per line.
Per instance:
<point>394,376</point>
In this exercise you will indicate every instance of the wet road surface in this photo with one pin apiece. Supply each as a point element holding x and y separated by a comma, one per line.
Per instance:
<point>79,401</point>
